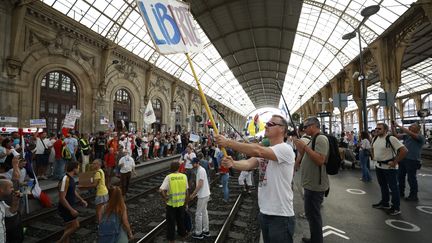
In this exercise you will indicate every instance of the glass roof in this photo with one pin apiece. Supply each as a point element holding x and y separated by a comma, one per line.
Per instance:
<point>121,22</point>
<point>319,51</point>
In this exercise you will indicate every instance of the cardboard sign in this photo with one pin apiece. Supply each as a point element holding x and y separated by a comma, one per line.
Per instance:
<point>85,179</point>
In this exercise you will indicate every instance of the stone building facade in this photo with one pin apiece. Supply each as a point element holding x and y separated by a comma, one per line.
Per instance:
<point>50,64</point>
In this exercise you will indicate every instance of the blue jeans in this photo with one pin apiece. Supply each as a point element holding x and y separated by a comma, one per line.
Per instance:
<point>388,179</point>
<point>407,166</point>
<point>277,228</point>
<point>59,168</point>
<point>312,207</point>
<point>364,160</point>
<point>161,151</point>
<point>224,182</point>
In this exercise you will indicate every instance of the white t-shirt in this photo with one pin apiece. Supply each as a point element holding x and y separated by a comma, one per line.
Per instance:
<point>129,164</point>
<point>188,158</point>
<point>4,212</point>
<point>205,189</point>
<point>40,146</point>
<point>275,195</point>
<point>23,175</point>
<point>382,153</point>
<point>178,139</point>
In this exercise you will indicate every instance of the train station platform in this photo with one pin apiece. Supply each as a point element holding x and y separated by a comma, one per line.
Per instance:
<point>348,215</point>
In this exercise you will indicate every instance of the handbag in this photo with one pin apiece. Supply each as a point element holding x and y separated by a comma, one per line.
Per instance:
<point>46,150</point>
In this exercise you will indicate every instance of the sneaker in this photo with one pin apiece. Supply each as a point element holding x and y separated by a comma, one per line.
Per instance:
<point>394,212</point>
<point>220,186</point>
<point>306,240</point>
<point>411,199</point>
<point>196,236</point>
<point>206,233</point>
<point>380,206</point>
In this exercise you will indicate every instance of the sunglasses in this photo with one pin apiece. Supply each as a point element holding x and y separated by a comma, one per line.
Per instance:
<point>306,126</point>
<point>272,124</point>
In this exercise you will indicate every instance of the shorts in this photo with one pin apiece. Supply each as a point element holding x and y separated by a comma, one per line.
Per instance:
<point>66,215</point>
<point>101,199</point>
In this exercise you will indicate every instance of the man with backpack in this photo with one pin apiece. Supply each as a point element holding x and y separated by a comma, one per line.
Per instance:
<point>388,151</point>
<point>314,177</point>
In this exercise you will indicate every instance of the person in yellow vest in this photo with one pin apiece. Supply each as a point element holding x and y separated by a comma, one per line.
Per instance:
<point>85,151</point>
<point>101,190</point>
<point>174,191</point>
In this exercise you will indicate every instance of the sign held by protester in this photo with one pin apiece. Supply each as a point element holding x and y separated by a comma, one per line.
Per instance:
<point>194,137</point>
<point>38,123</point>
<point>170,25</point>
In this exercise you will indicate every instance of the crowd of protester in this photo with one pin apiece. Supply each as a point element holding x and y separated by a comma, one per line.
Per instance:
<point>276,157</point>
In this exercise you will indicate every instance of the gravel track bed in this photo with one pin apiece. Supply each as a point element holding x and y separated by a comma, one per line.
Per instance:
<point>218,212</point>
<point>141,210</point>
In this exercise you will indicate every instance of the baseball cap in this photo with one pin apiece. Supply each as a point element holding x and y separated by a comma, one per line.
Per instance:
<point>195,161</point>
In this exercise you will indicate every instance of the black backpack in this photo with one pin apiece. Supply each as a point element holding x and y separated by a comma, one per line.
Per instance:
<point>334,160</point>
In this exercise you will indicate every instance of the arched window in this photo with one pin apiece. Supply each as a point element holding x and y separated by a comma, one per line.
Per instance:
<point>178,118</point>
<point>410,108</point>
<point>122,109</point>
<point>371,119</point>
<point>380,114</point>
<point>427,102</point>
<point>157,108</point>
<point>58,95</point>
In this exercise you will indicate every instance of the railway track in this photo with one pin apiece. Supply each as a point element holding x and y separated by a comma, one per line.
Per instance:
<point>235,221</point>
<point>47,226</point>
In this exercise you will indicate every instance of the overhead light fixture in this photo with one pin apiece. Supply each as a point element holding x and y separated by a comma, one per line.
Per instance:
<point>370,10</point>
<point>349,36</point>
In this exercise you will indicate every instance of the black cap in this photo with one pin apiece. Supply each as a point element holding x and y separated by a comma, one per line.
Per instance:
<point>195,161</point>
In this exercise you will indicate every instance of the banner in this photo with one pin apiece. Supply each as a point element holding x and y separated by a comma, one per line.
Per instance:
<point>149,116</point>
<point>170,25</point>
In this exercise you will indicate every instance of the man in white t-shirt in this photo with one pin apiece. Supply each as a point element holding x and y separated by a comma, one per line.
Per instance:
<point>276,168</point>
<point>202,191</point>
<point>188,157</point>
<point>388,152</point>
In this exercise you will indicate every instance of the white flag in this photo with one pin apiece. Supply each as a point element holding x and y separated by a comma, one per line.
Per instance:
<point>149,116</point>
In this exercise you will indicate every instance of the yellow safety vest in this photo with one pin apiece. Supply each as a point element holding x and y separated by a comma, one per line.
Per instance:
<point>177,189</point>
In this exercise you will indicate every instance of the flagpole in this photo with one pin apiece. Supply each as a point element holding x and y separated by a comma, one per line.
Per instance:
<point>204,100</point>
<point>288,111</point>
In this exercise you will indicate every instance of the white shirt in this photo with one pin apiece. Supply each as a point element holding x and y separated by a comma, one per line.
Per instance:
<point>178,139</point>
<point>129,164</point>
<point>382,153</point>
<point>275,195</point>
<point>4,212</point>
<point>188,158</point>
<point>23,174</point>
<point>205,189</point>
<point>40,146</point>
